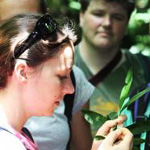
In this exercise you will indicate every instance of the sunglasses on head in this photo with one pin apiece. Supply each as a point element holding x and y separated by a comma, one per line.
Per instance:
<point>44,28</point>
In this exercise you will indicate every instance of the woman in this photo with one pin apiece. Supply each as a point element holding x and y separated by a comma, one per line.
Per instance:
<point>36,57</point>
<point>35,65</point>
<point>47,127</point>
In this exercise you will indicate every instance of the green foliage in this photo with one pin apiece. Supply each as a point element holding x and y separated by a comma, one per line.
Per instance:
<point>74,5</point>
<point>139,127</point>
<point>138,141</point>
<point>138,29</point>
<point>94,118</point>
<point>112,115</point>
<point>133,99</point>
<point>125,90</point>
<point>124,102</point>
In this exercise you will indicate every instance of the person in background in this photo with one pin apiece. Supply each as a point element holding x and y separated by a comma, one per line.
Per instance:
<point>49,131</point>
<point>36,58</point>
<point>100,55</point>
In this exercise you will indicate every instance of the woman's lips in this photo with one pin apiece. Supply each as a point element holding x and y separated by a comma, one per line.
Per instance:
<point>57,103</point>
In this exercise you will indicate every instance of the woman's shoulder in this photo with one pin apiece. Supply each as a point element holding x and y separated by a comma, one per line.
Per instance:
<point>83,90</point>
<point>9,141</point>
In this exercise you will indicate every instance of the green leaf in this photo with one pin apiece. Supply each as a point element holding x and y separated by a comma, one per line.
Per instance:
<point>138,141</point>
<point>94,118</point>
<point>134,98</point>
<point>75,5</point>
<point>112,115</point>
<point>139,127</point>
<point>125,90</point>
<point>99,137</point>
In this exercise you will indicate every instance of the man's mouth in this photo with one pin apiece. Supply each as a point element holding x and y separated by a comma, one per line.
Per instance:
<point>105,34</point>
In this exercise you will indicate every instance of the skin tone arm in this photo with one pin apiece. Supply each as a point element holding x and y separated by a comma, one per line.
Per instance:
<point>81,135</point>
<point>122,135</point>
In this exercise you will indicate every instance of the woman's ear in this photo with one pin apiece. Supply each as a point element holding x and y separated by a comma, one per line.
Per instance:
<point>21,71</point>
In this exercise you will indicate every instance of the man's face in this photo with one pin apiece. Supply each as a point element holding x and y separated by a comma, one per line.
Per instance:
<point>104,24</point>
<point>9,8</point>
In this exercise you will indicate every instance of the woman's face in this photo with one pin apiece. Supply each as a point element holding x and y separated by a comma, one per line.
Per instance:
<point>50,82</point>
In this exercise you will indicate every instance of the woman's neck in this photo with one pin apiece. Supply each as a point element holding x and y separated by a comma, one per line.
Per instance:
<point>11,106</point>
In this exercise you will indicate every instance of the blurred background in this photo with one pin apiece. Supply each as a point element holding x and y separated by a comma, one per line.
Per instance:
<point>137,38</point>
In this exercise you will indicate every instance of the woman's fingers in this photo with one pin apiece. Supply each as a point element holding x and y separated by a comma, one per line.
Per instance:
<point>127,137</point>
<point>108,125</point>
<point>104,130</point>
<point>111,138</point>
<point>118,139</point>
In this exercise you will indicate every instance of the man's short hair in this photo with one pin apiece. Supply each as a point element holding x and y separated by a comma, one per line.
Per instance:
<point>129,5</point>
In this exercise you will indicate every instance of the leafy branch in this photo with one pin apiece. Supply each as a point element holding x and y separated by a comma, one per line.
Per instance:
<point>124,102</point>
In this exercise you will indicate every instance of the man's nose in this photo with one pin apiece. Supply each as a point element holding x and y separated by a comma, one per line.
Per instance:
<point>107,21</point>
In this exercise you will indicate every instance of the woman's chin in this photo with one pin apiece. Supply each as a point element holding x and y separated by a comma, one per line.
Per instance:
<point>48,113</point>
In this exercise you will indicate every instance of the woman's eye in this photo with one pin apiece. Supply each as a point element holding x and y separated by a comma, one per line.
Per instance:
<point>63,77</point>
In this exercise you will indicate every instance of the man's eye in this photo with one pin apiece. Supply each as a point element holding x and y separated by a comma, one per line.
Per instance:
<point>118,17</point>
<point>98,14</point>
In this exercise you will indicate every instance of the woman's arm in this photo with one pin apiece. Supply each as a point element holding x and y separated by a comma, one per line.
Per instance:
<point>81,133</point>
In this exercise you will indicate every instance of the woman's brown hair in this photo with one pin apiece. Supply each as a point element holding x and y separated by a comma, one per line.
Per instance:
<point>13,29</point>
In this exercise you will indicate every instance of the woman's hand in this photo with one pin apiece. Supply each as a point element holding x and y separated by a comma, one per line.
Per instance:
<point>114,139</point>
<point>120,139</point>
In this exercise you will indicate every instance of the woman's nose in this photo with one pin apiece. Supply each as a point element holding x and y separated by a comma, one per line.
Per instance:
<point>68,87</point>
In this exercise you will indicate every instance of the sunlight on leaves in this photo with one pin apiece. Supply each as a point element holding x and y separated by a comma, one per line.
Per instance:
<point>125,90</point>
<point>112,115</point>
<point>124,102</point>
<point>134,98</point>
<point>94,118</point>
